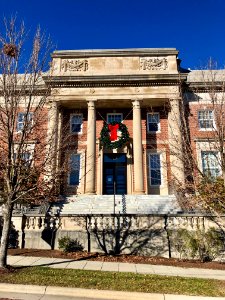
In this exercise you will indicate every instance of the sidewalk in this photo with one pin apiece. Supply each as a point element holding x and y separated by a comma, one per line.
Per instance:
<point>32,292</point>
<point>115,267</point>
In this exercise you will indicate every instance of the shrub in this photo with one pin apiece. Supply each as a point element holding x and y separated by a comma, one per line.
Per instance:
<point>69,245</point>
<point>200,244</point>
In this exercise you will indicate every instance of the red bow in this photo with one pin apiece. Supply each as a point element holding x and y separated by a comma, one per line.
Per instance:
<point>113,131</point>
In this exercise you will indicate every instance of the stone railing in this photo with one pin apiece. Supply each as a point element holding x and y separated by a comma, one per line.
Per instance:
<point>107,222</point>
<point>41,222</point>
<point>137,231</point>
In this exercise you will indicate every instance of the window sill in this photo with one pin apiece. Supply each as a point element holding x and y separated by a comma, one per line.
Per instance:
<point>153,132</point>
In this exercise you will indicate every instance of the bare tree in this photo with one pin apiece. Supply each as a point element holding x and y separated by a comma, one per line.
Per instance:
<point>202,127</point>
<point>26,145</point>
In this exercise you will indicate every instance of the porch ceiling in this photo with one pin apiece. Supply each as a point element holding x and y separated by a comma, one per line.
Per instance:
<point>112,103</point>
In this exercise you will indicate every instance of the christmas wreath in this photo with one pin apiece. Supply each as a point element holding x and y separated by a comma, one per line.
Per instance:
<point>109,135</point>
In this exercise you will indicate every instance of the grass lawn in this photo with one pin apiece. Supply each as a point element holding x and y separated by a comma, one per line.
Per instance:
<point>115,281</point>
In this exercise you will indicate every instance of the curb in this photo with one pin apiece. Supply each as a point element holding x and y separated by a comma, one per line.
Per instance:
<point>92,293</point>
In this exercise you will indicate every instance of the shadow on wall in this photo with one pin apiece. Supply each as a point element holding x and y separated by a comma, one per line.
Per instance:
<point>124,236</point>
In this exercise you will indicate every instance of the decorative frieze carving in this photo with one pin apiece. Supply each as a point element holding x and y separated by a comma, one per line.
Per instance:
<point>153,64</point>
<point>74,65</point>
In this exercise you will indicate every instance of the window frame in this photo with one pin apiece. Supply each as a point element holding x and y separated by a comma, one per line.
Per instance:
<point>217,169</point>
<point>30,120</point>
<point>158,123</point>
<point>150,169</point>
<point>207,120</point>
<point>81,124</point>
<point>113,114</point>
<point>70,170</point>
<point>30,147</point>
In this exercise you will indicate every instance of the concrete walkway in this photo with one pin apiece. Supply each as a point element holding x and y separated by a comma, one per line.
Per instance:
<point>32,292</point>
<point>115,267</point>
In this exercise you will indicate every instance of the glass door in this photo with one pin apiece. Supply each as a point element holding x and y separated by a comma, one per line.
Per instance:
<point>114,174</point>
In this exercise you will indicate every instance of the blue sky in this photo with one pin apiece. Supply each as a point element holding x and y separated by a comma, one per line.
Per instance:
<point>195,27</point>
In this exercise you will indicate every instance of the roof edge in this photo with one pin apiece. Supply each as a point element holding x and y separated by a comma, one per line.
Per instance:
<point>115,52</point>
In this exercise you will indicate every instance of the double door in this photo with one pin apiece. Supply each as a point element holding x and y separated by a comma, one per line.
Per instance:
<point>114,174</point>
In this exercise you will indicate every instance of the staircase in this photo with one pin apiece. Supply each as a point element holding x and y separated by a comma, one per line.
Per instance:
<point>124,204</point>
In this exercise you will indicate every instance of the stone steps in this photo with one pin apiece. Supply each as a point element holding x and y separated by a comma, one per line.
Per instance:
<point>104,204</point>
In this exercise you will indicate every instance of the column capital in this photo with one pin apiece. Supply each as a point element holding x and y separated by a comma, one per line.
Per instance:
<point>91,104</point>
<point>175,98</point>
<point>136,103</point>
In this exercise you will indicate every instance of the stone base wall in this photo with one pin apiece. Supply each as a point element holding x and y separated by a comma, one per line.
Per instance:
<point>112,234</point>
<point>142,242</point>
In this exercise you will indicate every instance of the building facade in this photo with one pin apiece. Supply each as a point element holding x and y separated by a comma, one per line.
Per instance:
<point>139,88</point>
<point>128,127</point>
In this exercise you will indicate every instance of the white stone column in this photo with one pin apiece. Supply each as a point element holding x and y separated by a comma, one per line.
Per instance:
<point>137,149</point>
<point>91,149</point>
<point>52,137</point>
<point>175,141</point>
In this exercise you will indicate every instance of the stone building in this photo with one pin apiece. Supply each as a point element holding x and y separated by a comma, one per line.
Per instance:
<point>143,89</point>
<point>129,86</point>
<point>122,111</point>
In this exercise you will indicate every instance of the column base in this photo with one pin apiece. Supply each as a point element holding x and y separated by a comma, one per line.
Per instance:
<point>139,193</point>
<point>90,193</point>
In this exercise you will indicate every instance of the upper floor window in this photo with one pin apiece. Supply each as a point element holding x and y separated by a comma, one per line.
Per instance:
<point>210,163</point>
<point>74,166</point>
<point>114,117</point>
<point>24,119</point>
<point>155,169</point>
<point>76,121</point>
<point>206,119</point>
<point>153,122</point>
<point>25,158</point>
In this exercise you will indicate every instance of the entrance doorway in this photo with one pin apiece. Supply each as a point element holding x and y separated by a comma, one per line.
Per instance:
<point>114,174</point>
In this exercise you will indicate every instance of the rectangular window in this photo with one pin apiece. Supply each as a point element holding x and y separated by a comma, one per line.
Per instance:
<point>206,119</point>
<point>76,121</point>
<point>155,169</point>
<point>210,163</point>
<point>114,117</point>
<point>153,122</point>
<point>74,165</point>
<point>25,159</point>
<point>23,119</point>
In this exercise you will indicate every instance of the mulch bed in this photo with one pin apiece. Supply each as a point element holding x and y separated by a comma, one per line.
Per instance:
<point>125,258</point>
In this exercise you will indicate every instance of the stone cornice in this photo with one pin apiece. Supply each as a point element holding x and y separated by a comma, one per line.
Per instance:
<point>112,80</point>
<point>205,87</point>
<point>115,52</point>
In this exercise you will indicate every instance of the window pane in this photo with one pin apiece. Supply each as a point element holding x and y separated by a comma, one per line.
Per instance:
<point>153,118</point>
<point>153,127</point>
<point>114,118</point>
<point>21,120</point>
<point>205,119</point>
<point>76,123</point>
<point>155,177</point>
<point>155,169</point>
<point>155,161</point>
<point>76,127</point>
<point>74,178</point>
<point>153,122</point>
<point>74,175</point>
<point>20,117</point>
<point>210,163</point>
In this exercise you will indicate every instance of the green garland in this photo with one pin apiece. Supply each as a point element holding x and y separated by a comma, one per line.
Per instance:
<point>105,138</point>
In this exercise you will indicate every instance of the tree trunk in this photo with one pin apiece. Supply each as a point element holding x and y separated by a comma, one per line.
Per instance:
<point>223,178</point>
<point>7,216</point>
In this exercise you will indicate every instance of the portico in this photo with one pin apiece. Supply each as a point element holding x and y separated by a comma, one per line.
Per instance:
<point>133,86</point>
